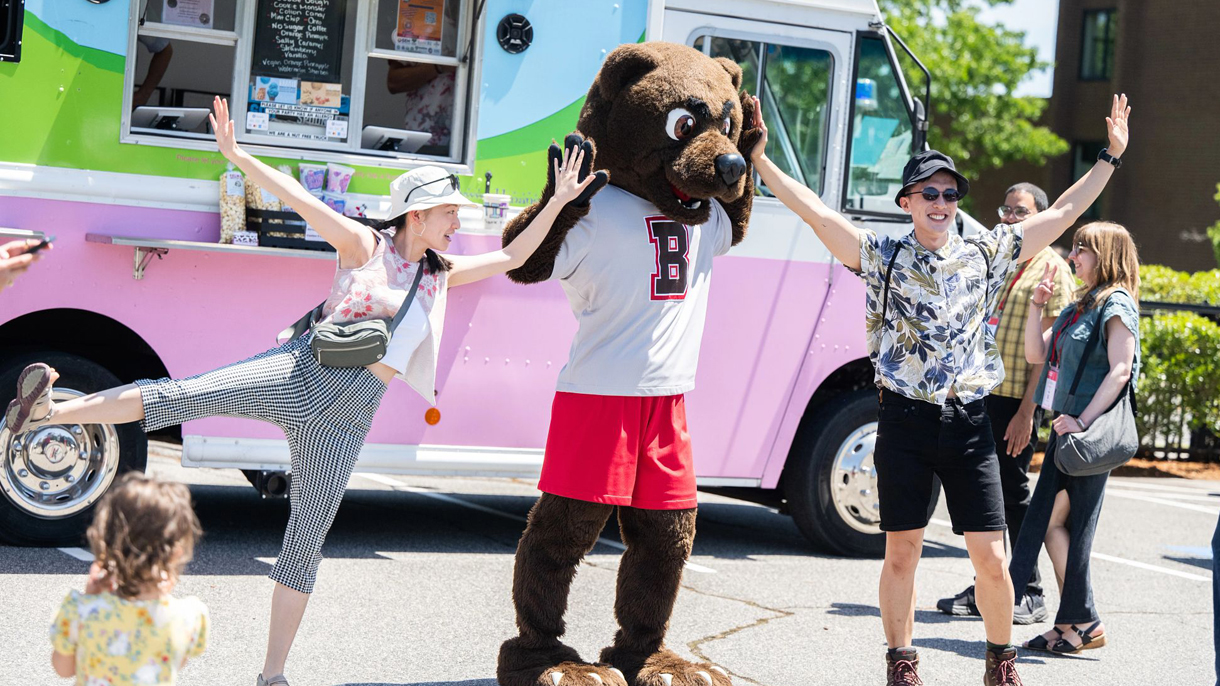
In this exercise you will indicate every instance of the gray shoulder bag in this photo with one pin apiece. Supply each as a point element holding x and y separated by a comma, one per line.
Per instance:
<point>356,344</point>
<point>1111,440</point>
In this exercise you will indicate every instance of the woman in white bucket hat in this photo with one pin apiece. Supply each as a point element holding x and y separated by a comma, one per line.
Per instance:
<point>325,412</point>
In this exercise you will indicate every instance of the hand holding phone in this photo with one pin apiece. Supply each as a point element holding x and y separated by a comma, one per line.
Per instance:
<point>46,241</point>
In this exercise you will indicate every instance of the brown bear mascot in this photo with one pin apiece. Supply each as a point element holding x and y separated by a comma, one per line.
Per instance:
<point>666,124</point>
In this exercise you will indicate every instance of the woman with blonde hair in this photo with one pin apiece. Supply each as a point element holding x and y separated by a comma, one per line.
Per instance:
<point>1064,509</point>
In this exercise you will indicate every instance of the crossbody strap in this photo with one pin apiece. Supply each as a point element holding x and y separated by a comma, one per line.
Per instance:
<point>300,326</point>
<point>889,269</point>
<point>406,304</point>
<point>1094,337</point>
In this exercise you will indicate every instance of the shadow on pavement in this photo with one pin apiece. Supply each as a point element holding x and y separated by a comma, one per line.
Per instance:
<point>921,616</point>
<point>1200,562</point>
<point>240,526</point>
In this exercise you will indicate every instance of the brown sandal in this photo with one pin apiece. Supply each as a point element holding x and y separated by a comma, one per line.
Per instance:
<point>33,401</point>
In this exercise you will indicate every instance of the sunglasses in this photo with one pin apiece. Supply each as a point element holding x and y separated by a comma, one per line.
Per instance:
<point>1018,211</point>
<point>931,194</point>
<point>453,186</point>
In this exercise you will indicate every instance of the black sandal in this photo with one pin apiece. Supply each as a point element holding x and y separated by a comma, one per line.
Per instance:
<point>1040,643</point>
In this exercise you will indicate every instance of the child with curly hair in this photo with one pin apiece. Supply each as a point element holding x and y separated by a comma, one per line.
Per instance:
<point>126,628</point>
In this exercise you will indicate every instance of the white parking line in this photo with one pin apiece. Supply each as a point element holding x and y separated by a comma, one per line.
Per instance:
<point>1202,488</point>
<point>1119,560</point>
<point>400,486</point>
<point>1151,568</point>
<point>1213,511</point>
<point>79,553</point>
<point>1198,496</point>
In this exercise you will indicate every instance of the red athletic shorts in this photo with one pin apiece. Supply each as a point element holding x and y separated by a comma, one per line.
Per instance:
<point>620,450</point>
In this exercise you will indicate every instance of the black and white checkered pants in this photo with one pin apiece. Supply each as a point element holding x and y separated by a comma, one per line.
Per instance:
<point>324,412</point>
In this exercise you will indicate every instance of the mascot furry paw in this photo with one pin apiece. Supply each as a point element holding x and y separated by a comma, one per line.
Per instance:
<point>663,123</point>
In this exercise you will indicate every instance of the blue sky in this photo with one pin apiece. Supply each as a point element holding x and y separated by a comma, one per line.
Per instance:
<point>1038,19</point>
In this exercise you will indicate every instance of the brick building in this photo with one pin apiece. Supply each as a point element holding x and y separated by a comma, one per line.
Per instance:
<point>1165,55</point>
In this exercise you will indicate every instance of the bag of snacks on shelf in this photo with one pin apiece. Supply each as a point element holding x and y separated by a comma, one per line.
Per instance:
<point>313,176</point>
<point>338,176</point>
<point>232,205</point>
<point>259,199</point>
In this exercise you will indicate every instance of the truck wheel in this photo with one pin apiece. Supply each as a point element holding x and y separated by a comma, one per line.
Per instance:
<point>51,476</point>
<point>832,489</point>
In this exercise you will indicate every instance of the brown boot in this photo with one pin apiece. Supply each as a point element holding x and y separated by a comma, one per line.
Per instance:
<point>1002,668</point>
<point>902,668</point>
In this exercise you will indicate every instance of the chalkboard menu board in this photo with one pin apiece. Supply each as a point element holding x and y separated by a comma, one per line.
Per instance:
<point>299,39</point>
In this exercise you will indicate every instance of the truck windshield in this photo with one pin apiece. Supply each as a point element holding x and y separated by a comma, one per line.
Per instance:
<point>793,85</point>
<point>881,132</point>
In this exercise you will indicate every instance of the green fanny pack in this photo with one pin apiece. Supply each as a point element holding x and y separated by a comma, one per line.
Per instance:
<point>355,344</point>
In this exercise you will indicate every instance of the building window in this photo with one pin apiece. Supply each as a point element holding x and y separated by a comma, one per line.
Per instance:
<point>381,79</point>
<point>1084,156</point>
<point>1097,44</point>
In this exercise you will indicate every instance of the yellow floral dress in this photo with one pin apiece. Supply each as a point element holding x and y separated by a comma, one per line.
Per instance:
<point>119,642</point>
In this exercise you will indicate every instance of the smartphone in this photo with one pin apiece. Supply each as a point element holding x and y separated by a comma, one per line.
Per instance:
<point>46,240</point>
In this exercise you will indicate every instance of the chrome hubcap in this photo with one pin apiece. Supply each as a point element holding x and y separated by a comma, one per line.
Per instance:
<point>853,482</point>
<point>53,471</point>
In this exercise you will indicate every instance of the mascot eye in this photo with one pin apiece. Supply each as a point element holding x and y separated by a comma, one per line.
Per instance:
<point>680,124</point>
<point>727,126</point>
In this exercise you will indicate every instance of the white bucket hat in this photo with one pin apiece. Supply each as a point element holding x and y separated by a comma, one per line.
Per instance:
<point>425,187</point>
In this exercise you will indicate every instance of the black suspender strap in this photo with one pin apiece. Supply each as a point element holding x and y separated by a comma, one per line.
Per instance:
<point>889,269</point>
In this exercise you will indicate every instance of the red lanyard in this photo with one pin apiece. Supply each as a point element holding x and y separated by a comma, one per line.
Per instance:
<point>1010,287</point>
<point>1055,339</point>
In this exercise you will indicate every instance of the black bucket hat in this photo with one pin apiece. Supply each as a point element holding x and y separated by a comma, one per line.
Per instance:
<point>924,165</point>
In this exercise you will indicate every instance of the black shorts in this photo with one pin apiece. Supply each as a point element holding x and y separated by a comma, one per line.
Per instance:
<point>919,441</point>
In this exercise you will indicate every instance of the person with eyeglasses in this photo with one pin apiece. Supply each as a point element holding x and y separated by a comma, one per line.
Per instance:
<point>928,297</point>
<point>1011,406</point>
<point>325,412</point>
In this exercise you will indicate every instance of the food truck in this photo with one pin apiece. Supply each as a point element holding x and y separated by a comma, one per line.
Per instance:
<point>166,264</point>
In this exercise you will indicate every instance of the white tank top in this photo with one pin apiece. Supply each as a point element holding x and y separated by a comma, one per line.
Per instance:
<point>411,331</point>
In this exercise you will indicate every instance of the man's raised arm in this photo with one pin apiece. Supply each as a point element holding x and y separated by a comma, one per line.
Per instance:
<point>1043,228</point>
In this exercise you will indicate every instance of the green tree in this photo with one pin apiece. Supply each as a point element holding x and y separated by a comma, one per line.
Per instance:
<point>975,68</point>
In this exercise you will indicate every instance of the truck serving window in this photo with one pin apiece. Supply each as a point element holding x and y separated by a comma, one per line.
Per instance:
<point>881,132</point>
<point>793,85</point>
<point>375,78</point>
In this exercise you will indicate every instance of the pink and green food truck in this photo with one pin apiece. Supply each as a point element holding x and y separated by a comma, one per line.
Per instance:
<point>105,145</point>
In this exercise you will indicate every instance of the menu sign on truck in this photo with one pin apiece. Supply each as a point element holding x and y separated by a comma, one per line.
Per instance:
<point>300,39</point>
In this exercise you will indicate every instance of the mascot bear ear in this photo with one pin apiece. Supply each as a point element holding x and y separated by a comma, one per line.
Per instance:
<point>625,65</point>
<point>733,69</point>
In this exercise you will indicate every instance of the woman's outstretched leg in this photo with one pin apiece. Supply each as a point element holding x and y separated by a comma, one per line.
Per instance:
<point>262,387</point>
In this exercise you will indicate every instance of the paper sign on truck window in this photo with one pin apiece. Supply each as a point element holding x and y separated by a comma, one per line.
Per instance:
<point>419,26</point>
<point>187,12</point>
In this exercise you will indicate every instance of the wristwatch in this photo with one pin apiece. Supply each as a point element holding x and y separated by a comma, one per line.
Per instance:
<point>1105,156</point>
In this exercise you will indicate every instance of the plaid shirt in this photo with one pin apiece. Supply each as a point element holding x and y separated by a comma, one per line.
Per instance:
<point>934,336</point>
<point>1010,334</point>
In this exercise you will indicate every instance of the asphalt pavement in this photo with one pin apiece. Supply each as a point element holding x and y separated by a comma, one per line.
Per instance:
<point>416,589</point>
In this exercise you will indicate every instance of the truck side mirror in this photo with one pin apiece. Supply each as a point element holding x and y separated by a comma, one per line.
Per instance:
<point>919,137</point>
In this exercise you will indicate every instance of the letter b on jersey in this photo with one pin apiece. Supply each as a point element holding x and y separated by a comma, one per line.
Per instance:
<point>672,243</point>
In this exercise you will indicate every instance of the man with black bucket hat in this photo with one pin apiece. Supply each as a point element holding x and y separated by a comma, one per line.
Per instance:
<point>928,296</point>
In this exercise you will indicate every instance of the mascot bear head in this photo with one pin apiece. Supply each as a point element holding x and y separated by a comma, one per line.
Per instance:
<point>667,120</point>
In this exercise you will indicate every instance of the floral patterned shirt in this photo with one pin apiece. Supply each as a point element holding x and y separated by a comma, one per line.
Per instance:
<point>119,642</point>
<point>935,337</point>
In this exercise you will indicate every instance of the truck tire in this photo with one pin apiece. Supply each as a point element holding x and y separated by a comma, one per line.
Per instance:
<point>832,489</point>
<point>52,476</point>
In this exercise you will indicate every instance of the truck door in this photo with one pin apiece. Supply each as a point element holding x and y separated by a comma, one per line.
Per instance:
<point>766,295</point>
